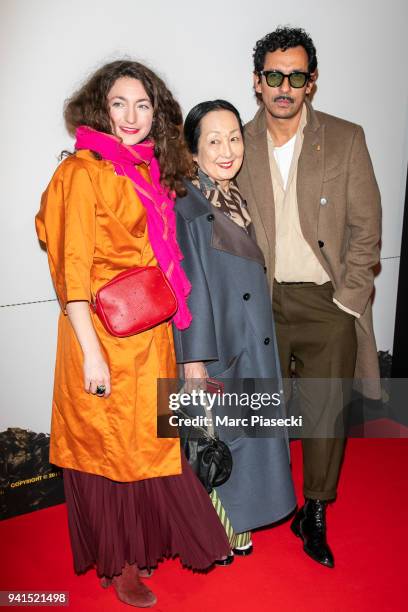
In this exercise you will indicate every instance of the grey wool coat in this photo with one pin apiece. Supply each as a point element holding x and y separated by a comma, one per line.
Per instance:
<point>233,332</point>
<point>339,212</point>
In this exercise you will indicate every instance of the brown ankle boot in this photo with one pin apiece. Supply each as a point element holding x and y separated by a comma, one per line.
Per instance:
<point>131,590</point>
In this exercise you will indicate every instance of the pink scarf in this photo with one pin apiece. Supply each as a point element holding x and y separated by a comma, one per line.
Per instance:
<point>159,205</point>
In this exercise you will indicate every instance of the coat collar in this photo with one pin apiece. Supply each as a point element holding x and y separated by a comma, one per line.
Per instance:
<point>226,235</point>
<point>258,124</point>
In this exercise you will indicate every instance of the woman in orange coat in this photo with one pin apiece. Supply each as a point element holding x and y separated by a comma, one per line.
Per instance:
<point>132,499</point>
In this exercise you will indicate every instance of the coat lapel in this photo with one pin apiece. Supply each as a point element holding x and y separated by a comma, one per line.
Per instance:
<point>229,237</point>
<point>309,179</point>
<point>262,207</point>
<point>226,235</point>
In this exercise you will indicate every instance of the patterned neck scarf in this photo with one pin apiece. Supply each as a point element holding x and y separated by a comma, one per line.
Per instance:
<point>231,202</point>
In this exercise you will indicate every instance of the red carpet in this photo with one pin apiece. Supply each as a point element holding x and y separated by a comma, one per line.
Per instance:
<point>367,531</point>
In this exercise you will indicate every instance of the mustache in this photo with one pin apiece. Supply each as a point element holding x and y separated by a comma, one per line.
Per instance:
<point>289,98</point>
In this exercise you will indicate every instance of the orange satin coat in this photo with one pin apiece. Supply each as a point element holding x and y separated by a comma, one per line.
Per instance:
<point>94,226</point>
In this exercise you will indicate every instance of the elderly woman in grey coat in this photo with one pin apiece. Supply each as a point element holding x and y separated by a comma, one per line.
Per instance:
<point>232,332</point>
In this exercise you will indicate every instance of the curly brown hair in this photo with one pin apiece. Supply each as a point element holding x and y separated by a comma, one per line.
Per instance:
<point>88,106</point>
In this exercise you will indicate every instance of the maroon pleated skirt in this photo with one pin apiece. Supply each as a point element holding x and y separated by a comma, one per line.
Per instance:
<point>111,523</point>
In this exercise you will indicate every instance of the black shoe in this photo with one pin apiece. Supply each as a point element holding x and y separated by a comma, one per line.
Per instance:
<point>243,552</point>
<point>227,561</point>
<point>310,525</point>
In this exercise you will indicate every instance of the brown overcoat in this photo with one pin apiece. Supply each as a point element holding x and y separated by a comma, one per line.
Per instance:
<point>339,211</point>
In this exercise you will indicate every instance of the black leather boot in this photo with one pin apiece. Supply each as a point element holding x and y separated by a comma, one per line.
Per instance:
<point>310,525</point>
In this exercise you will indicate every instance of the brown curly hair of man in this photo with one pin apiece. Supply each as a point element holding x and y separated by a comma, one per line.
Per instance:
<point>88,106</point>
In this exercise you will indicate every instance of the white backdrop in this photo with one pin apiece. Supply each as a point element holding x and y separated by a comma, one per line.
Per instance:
<point>203,51</point>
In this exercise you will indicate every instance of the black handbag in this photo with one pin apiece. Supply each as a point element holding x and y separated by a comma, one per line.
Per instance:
<point>209,457</point>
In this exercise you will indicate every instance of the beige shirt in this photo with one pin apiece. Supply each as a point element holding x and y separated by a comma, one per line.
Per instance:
<point>294,258</point>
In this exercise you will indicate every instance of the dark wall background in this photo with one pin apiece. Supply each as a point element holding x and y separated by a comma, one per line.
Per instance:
<point>400,351</point>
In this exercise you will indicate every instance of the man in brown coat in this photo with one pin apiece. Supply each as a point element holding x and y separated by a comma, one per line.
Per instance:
<point>315,205</point>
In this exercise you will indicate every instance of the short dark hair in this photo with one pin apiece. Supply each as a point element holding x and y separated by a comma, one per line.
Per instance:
<point>192,123</point>
<point>284,38</point>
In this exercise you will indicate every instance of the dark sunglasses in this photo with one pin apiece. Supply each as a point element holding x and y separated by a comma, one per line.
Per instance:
<point>274,78</point>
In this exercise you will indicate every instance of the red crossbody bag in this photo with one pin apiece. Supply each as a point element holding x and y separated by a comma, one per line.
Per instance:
<point>134,301</point>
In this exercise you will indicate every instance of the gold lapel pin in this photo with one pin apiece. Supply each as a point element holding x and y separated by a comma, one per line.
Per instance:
<point>318,147</point>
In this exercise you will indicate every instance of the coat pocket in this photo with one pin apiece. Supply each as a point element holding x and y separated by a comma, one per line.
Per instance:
<point>333,173</point>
